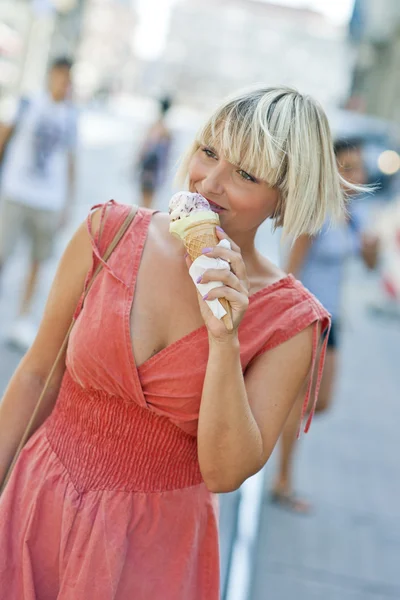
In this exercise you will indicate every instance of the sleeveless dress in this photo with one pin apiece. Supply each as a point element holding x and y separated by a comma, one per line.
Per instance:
<point>106,501</point>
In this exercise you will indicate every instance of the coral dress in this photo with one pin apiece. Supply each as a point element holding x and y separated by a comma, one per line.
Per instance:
<point>107,501</point>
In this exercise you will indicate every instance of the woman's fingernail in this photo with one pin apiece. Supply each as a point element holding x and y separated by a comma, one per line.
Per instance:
<point>206,250</point>
<point>219,229</point>
<point>199,279</point>
<point>205,297</point>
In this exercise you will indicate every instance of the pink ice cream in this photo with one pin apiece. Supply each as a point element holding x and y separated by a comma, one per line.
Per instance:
<point>184,203</point>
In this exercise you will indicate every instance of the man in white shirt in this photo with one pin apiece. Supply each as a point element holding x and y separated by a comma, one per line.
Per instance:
<point>37,180</point>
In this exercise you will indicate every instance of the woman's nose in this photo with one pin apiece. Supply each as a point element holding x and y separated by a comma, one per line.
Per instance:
<point>213,182</point>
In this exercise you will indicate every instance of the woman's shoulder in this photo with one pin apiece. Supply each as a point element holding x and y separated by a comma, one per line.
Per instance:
<point>272,279</point>
<point>159,226</point>
<point>282,302</point>
<point>105,220</point>
<point>281,310</point>
<point>286,293</point>
<point>110,211</point>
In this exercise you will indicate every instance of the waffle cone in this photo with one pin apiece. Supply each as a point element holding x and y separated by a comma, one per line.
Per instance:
<point>202,235</point>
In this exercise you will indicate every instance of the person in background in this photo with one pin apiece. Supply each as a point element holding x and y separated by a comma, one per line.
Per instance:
<point>386,227</point>
<point>319,263</point>
<point>37,181</point>
<point>153,156</point>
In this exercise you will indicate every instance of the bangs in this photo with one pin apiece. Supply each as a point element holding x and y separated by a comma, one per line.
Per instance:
<point>245,140</point>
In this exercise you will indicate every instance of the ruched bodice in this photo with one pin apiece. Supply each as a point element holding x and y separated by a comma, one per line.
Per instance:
<point>105,442</point>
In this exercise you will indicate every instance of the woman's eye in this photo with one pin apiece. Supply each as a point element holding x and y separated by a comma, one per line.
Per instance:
<point>208,152</point>
<point>246,176</point>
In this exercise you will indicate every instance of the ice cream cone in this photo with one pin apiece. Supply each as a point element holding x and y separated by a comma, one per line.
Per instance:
<point>193,222</point>
<point>198,236</point>
<point>202,235</point>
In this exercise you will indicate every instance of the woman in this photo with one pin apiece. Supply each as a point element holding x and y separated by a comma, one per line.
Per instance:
<point>158,405</point>
<point>319,262</point>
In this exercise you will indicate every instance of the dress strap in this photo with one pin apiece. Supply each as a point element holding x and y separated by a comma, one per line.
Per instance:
<point>321,362</point>
<point>112,215</point>
<point>107,229</point>
<point>319,376</point>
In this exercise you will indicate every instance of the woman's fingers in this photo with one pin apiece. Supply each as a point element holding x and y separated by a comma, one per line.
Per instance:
<point>232,257</point>
<point>225,276</point>
<point>222,236</point>
<point>237,299</point>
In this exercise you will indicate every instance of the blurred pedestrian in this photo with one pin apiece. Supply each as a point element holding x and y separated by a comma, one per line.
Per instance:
<point>153,155</point>
<point>37,182</point>
<point>157,404</point>
<point>386,228</point>
<point>319,262</point>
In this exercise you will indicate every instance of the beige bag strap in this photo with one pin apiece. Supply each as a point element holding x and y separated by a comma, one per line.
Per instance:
<point>118,236</point>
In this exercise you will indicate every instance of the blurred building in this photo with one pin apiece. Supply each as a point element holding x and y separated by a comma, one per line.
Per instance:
<point>31,32</point>
<point>14,30</point>
<point>106,57</point>
<point>67,32</point>
<point>213,48</point>
<point>375,33</point>
<point>98,34</point>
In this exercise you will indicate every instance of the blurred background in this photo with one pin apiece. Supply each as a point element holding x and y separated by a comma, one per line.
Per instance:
<point>132,58</point>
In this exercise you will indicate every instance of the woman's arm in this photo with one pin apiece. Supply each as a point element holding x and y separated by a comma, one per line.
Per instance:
<point>241,418</point>
<point>27,383</point>
<point>298,254</point>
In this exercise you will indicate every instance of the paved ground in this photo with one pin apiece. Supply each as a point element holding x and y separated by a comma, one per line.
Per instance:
<point>349,466</point>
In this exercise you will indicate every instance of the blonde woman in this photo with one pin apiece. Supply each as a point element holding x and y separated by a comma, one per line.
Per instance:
<point>157,406</point>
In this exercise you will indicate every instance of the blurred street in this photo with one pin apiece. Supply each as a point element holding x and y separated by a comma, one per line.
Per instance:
<point>349,549</point>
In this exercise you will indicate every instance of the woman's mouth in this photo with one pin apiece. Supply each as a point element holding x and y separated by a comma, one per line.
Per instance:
<point>215,207</point>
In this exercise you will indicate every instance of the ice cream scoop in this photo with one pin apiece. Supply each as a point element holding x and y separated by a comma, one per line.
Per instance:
<point>187,210</point>
<point>184,203</point>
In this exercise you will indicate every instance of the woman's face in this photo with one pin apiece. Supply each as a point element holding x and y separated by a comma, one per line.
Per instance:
<point>242,201</point>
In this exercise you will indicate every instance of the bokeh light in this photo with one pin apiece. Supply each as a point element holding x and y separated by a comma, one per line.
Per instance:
<point>389,162</point>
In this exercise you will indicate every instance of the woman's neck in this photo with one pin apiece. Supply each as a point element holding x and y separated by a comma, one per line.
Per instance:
<point>246,243</point>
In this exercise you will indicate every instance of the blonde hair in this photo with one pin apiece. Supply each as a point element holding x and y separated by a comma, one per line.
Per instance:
<point>283,138</point>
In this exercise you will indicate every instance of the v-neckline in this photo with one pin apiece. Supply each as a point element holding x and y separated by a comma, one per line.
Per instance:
<point>192,334</point>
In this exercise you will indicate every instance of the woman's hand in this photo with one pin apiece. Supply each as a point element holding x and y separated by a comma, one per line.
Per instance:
<point>235,289</point>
